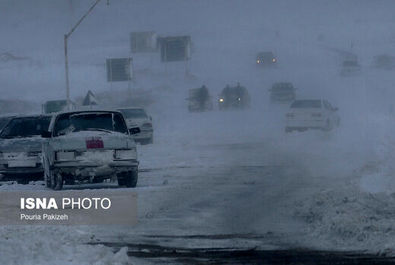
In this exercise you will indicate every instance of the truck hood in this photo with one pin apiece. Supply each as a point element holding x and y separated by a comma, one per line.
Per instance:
<point>92,140</point>
<point>29,144</point>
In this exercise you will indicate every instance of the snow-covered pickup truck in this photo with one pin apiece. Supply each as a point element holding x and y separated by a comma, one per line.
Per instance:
<point>89,146</point>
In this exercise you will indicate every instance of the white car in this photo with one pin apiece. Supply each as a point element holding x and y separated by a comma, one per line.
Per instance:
<point>89,146</point>
<point>311,114</point>
<point>20,148</point>
<point>138,117</point>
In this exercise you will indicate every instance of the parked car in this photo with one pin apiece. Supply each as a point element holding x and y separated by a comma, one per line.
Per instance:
<point>311,114</point>
<point>282,92</point>
<point>199,99</point>
<point>20,148</point>
<point>265,58</point>
<point>138,118</point>
<point>235,97</point>
<point>89,146</point>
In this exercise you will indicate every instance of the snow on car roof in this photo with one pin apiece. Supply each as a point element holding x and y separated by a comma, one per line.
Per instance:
<point>85,111</point>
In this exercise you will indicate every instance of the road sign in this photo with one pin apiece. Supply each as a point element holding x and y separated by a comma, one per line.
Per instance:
<point>119,69</point>
<point>145,41</point>
<point>175,48</point>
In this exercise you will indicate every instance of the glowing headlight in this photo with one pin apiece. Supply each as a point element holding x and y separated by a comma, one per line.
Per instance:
<point>274,60</point>
<point>221,100</point>
<point>258,61</point>
<point>125,154</point>
<point>65,156</point>
<point>238,99</point>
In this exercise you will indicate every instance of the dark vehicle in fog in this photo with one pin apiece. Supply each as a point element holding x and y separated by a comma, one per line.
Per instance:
<point>350,67</point>
<point>311,114</point>
<point>265,58</point>
<point>234,97</point>
<point>20,147</point>
<point>384,61</point>
<point>282,92</point>
<point>199,99</point>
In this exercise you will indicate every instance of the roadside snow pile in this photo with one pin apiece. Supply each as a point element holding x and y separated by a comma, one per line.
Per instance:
<point>349,219</point>
<point>54,245</point>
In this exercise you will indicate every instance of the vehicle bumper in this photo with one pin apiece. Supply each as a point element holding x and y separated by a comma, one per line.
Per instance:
<point>25,166</point>
<point>85,169</point>
<point>306,124</point>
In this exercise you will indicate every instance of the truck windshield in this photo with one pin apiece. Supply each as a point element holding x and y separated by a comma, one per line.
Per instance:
<point>85,121</point>
<point>25,127</point>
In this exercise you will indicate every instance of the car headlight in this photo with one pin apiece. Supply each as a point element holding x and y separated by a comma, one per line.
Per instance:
<point>125,154</point>
<point>221,100</point>
<point>65,156</point>
<point>258,61</point>
<point>274,60</point>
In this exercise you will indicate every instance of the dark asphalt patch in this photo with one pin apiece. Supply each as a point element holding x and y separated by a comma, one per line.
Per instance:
<point>178,255</point>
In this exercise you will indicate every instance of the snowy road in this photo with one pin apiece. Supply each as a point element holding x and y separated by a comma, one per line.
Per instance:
<point>229,189</point>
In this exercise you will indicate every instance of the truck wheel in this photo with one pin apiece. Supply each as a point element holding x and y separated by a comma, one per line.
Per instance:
<point>121,181</point>
<point>58,181</point>
<point>131,178</point>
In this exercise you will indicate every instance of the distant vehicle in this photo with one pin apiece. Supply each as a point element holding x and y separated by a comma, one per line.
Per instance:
<point>384,61</point>
<point>199,99</point>
<point>282,92</point>
<point>53,106</point>
<point>235,97</point>
<point>311,114</point>
<point>350,67</point>
<point>20,147</point>
<point>265,58</point>
<point>138,117</point>
<point>89,146</point>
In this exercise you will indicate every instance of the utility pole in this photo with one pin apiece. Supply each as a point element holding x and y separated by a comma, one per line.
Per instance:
<point>66,59</point>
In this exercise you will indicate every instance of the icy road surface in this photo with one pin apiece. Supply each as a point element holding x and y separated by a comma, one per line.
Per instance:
<point>229,187</point>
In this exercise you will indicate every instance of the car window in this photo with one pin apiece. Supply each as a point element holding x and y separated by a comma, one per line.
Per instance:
<point>25,127</point>
<point>87,121</point>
